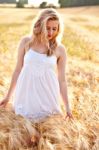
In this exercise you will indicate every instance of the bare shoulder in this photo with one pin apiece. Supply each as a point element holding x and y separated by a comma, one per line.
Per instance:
<point>21,52</point>
<point>24,40</point>
<point>61,51</point>
<point>22,43</point>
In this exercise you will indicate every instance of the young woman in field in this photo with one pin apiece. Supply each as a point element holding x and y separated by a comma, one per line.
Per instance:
<point>37,87</point>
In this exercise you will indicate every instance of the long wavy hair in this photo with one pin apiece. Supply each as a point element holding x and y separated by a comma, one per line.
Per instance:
<point>39,30</point>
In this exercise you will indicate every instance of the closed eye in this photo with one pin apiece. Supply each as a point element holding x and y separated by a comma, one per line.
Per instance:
<point>54,29</point>
<point>48,28</point>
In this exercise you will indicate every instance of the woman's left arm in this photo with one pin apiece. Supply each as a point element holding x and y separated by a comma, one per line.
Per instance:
<point>61,66</point>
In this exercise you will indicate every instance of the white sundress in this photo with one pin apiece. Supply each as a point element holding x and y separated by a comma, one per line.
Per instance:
<point>37,91</point>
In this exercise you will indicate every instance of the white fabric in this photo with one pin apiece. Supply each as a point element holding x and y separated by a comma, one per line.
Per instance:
<point>37,91</point>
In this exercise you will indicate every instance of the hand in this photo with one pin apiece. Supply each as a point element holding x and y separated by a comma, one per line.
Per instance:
<point>4,102</point>
<point>69,114</point>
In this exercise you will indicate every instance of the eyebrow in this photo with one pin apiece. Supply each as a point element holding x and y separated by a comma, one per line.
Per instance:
<point>49,27</point>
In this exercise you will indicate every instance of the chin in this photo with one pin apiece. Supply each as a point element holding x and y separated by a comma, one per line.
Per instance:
<point>49,38</point>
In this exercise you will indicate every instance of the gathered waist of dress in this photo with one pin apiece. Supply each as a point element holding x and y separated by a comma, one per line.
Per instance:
<point>38,69</point>
<point>42,65</point>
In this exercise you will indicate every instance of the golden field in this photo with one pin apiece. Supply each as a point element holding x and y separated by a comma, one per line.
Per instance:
<point>81,39</point>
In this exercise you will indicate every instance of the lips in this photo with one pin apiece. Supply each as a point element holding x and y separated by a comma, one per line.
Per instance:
<point>49,36</point>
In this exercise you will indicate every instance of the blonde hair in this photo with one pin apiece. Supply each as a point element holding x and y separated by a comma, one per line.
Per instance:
<point>39,31</point>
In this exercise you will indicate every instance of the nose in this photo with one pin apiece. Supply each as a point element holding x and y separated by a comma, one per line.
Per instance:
<point>50,32</point>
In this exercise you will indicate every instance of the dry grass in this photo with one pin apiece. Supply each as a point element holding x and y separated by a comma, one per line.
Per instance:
<point>82,133</point>
<point>55,133</point>
<point>15,131</point>
<point>92,28</point>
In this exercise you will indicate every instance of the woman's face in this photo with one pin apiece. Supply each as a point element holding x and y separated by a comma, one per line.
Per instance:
<point>52,29</point>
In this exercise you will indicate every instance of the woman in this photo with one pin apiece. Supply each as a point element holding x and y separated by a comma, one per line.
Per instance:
<point>37,88</point>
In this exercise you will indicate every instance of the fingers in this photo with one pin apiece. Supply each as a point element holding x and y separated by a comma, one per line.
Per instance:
<point>2,104</point>
<point>69,116</point>
<point>66,117</point>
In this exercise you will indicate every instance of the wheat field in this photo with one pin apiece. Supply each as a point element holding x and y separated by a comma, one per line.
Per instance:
<point>81,39</point>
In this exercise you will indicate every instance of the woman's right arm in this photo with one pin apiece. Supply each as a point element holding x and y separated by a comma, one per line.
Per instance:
<point>19,64</point>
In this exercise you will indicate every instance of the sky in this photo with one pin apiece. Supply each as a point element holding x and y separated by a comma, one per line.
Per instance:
<point>37,2</point>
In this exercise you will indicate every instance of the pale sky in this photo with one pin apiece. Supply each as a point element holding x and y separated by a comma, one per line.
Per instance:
<point>37,2</point>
